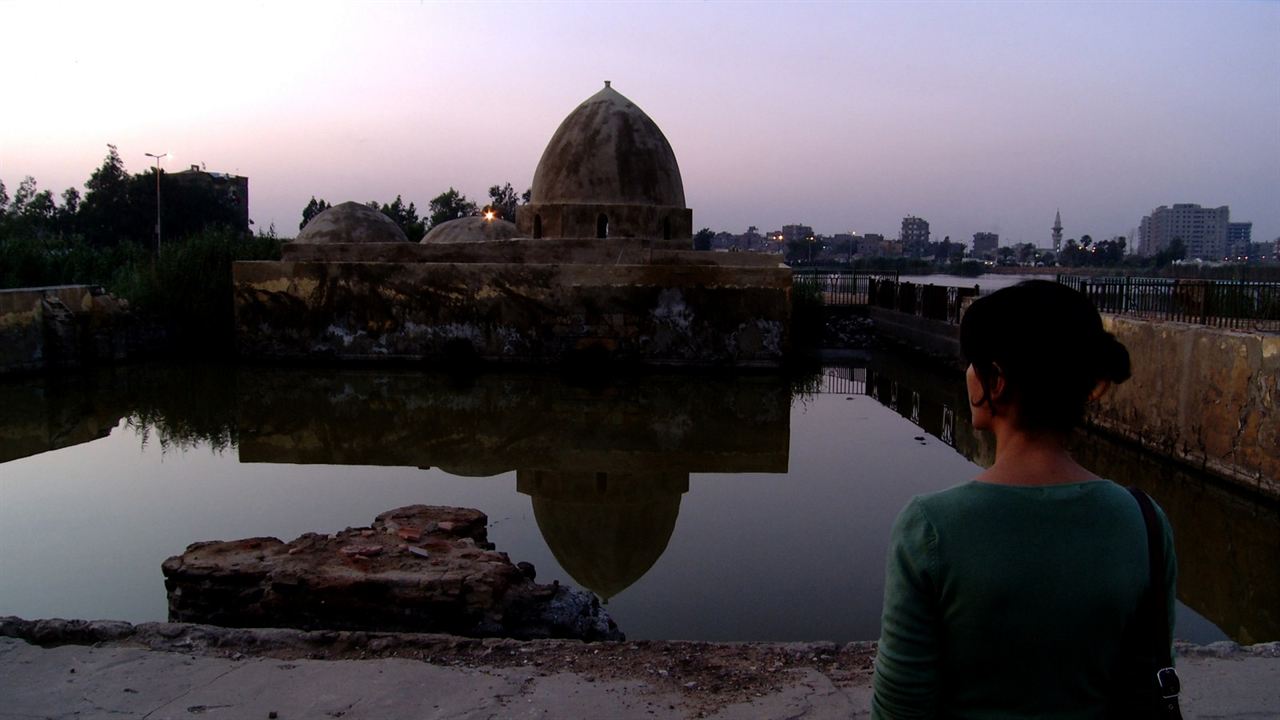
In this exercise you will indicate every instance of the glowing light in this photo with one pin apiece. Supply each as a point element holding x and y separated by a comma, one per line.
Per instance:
<point>489,215</point>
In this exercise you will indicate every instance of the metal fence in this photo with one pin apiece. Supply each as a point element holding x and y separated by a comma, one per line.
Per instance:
<point>1242,305</point>
<point>935,302</point>
<point>841,287</point>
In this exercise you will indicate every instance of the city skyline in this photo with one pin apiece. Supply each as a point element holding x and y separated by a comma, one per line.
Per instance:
<point>977,117</point>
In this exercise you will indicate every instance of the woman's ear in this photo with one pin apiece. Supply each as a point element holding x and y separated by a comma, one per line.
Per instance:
<point>997,386</point>
<point>1099,390</point>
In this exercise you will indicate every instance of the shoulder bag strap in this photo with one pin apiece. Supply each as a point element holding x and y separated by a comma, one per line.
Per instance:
<point>1154,608</point>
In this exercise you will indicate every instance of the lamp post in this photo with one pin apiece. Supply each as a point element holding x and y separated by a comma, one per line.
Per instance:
<point>157,158</point>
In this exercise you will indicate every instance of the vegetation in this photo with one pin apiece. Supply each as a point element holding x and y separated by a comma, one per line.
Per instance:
<point>806,314</point>
<point>107,238</point>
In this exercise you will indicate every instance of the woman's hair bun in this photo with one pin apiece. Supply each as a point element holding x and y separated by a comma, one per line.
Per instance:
<point>1113,359</point>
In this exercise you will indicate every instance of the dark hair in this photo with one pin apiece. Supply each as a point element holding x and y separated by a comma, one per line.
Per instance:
<point>1048,342</point>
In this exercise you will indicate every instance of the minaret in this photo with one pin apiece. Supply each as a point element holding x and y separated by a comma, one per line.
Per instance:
<point>1057,232</point>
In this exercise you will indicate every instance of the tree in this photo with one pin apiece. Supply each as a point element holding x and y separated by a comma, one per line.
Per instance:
<point>105,214</point>
<point>503,201</point>
<point>312,209</point>
<point>450,205</point>
<point>4,200</point>
<point>702,239</point>
<point>405,216</point>
<point>1176,250</point>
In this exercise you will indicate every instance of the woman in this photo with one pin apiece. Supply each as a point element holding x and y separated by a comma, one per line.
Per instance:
<point>1016,595</point>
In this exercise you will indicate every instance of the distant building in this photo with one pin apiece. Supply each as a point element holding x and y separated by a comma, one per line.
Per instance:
<point>231,189</point>
<point>1239,238</point>
<point>985,244</point>
<point>1057,232</point>
<point>874,245</point>
<point>914,236</point>
<point>1203,231</point>
<point>797,233</point>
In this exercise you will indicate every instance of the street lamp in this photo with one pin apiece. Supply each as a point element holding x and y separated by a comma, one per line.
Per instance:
<point>158,158</point>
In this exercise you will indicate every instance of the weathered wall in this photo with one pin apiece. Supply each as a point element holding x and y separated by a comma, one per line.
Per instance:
<point>654,314</point>
<point>59,326</point>
<point>612,251</point>
<point>1201,395</point>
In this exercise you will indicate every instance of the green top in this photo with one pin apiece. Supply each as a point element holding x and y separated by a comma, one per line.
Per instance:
<point>1011,602</point>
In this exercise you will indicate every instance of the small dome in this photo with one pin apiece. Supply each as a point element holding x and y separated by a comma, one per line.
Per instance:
<point>608,152</point>
<point>351,222</point>
<point>471,229</point>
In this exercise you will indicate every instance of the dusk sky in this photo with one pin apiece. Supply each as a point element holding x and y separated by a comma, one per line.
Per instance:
<point>843,116</point>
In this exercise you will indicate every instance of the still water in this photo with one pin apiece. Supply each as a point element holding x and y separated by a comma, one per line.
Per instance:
<point>751,507</point>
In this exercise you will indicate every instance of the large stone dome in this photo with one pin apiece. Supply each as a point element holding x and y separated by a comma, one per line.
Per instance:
<point>351,222</point>
<point>607,172</point>
<point>608,151</point>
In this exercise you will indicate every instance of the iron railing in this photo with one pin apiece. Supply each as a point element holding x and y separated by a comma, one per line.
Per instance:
<point>841,287</point>
<point>1239,305</point>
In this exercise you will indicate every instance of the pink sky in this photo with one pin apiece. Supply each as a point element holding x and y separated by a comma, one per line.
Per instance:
<point>844,116</point>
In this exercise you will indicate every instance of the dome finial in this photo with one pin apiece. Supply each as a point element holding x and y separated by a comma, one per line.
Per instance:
<point>607,84</point>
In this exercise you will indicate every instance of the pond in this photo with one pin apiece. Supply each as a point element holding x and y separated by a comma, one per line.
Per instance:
<point>699,506</point>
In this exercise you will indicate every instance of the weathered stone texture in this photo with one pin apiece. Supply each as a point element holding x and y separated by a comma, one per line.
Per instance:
<point>416,569</point>
<point>1203,395</point>
<point>470,230</point>
<point>525,251</point>
<point>350,222</point>
<point>63,326</point>
<point>654,314</point>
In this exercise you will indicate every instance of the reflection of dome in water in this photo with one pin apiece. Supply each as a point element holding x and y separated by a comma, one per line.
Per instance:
<point>351,222</point>
<point>605,529</point>
<point>471,229</point>
<point>608,151</point>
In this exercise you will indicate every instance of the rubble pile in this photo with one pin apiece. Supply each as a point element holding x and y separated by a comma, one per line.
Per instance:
<point>415,569</point>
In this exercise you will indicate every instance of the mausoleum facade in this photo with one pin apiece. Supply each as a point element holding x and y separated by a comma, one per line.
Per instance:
<point>599,266</point>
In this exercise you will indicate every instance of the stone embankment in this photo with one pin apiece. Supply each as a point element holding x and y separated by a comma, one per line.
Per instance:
<point>1204,396</point>
<point>417,569</point>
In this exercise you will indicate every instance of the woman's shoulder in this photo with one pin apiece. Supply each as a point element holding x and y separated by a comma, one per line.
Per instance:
<point>973,499</point>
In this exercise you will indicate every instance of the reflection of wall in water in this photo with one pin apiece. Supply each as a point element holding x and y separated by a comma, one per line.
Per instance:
<point>1228,543</point>
<point>606,529</point>
<point>937,404</point>
<point>42,414</point>
<point>605,465</point>
<point>499,423</point>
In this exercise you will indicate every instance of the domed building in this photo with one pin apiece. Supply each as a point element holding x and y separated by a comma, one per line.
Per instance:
<point>350,222</point>
<point>599,268</point>
<point>607,172</point>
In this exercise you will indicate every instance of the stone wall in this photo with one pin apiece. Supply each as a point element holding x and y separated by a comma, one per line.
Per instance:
<point>523,251</point>
<point>657,313</point>
<point>1201,395</point>
<point>60,326</point>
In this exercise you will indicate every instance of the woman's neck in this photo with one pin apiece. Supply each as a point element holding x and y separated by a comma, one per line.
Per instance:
<point>1031,459</point>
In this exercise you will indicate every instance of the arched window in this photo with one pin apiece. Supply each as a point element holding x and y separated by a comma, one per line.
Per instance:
<point>602,226</point>
<point>666,228</point>
<point>537,226</point>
